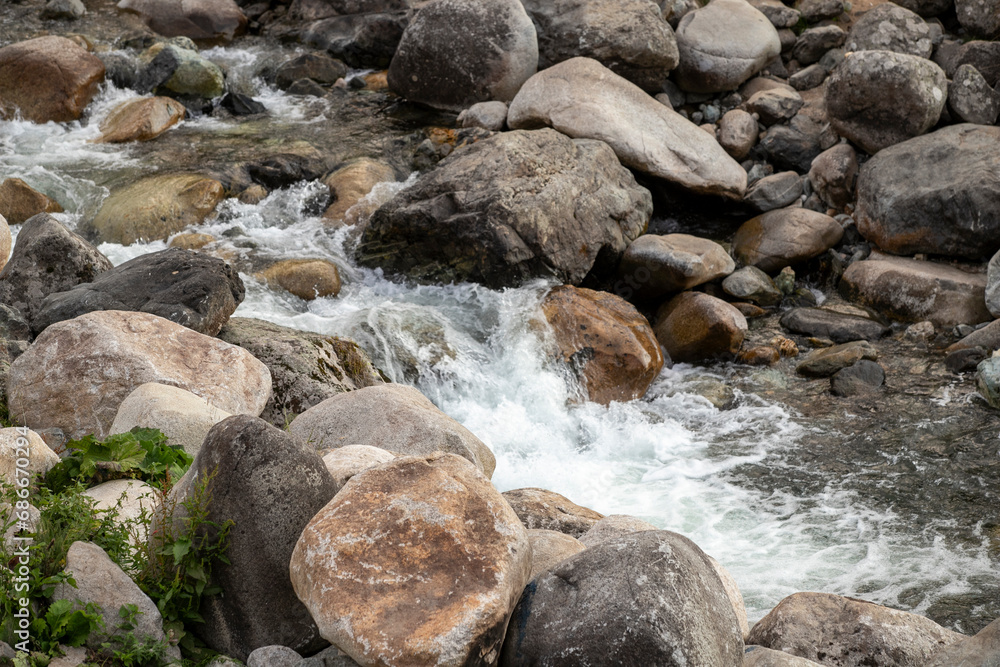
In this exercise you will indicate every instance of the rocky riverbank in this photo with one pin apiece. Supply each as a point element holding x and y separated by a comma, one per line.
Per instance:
<point>797,198</point>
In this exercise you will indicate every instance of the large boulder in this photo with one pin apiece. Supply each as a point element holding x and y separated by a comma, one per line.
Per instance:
<point>670,608</point>
<point>40,457</point>
<point>206,20</point>
<point>345,462</point>
<point>77,373</point>
<point>18,202</point>
<point>509,208</point>
<point>612,527</point>
<point>979,17</point>
<point>549,547</point>
<point>270,484</point>
<point>547,510</point>
<point>655,266</point>
<point>419,561</point>
<point>914,291</point>
<point>758,656</point>
<point>190,288</point>
<point>306,368</point>
<point>629,37</point>
<point>583,99</point>
<point>934,194</point>
<point>361,40</point>
<point>407,423</point>
<point>694,326</point>
<point>47,78</point>
<point>141,119</point>
<point>982,650</point>
<point>845,632</point>
<point>132,503</point>
<point>880,98</point>
<point>155,207</point>
<point>889,27</point>
<point>971,99</point>
<point>785,237</point>
<point>455,53</point>
<point>605,341</point>
<point>722,45</point>
<point>47,258</point>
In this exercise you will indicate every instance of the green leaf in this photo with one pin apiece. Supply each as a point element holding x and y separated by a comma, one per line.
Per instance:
<point>180,549</point>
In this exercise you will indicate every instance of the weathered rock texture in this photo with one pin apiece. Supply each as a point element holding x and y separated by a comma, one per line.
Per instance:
<point>47,78</point>
<point>548,510</point>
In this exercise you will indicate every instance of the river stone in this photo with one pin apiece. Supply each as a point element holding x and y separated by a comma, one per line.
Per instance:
<point>549,547</point>
<point>18,202</point>
<point>40,457</point>
<point>844,632</point>
<point>795,145</point>
<point>833,174</point>
<point>141,119</point>
<point>155,207</point>
<point>913,291</point>
<point>490,116</point>
<point>758,656</point>
<point>270,484</point>
<point>836,326</point>
<point>490,211</point>
<point>979,17</point>
<point>47,78</point>
<point>774,106</point>
<point>778,13</point>
<point>775,191</point>
<point>694,327</point>
<point>982,650</point>
<point>752,284</point>
<point>455,53</point>
<point>583,99</point>
<point>419,561</point>
<point>889,27</point>
<point>671,608</point>
<point>785,237</point>
<point>208,20</point>
<point>722,45</point>
<point>826,361</point>
<point>813,44</point>
<point>345,462</point>
<point>662,265</point>
<point>540,509</point>
<point>934,194</point>
<point>307,279</point>
<point>612,527</point>
<point>182,416</point>
<point>47,258</point>
<point>604,340</point>
<point>629,37</point>
<point>319,67</point>
<point>72,359</point>
<point>187,287</point>
<point>352,182</point>
<point>738,132</point>
<point>63,9</point>
<point>860,109</point>
<point>182,71</point>
<point>360,40</point>
<point>859,378</point>
<point>971,99</point>
<point>306,368</point>
<point>100,581</point>
<point>408,424</point>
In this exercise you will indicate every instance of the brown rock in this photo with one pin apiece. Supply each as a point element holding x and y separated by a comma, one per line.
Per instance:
<point>758,656</point>
<point>845,632</point>
<point>352,182</point>
<point>77,373</point>
<point>762,355</point>
<point>547,510</point>
<point>913,291</point>
<point>605,340</point>
<point>417,562</point>
<point>209,20</point>
<point>141,119</point>
<point>827,361</point>
<point>655,266</point>
<point>305,278</point>
<point>833,175</point>
<point>47,78</point>
<point>738,133</point>
<point>191,241</point>
<point>549,547</point>
<point>696,327</point>
<point>785,237</point>
<point>343,463</point>
<point>19,201</point>
<point>982,650</point>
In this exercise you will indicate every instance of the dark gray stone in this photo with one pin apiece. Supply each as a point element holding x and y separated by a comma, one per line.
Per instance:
<point>752,284</point>
<point>284,169</point>
<point>889,27</point>
<point>774,106</point>
<point>306,88</point>
<point>775,191</point>
<point>833,175</point>
<point>836,326</point>
<point>670,609</point>
<point>13,326</point>
<point>808,78</point>
<point>157,72</point>
<point>319,67</point>
<point>960,361</point>
<point>971,99</point>
<point>183,286</point>
<point>979,17</point>
<point>814,11</point>
<point>815,42</point>
<point>47,258</point>
<point>273,656</point>
<point>360,40</point>
<point>239,104</point>
<point>796,145</point>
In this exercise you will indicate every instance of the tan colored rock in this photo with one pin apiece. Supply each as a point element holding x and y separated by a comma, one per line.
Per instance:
<point>738,133</point>
<point>735,596</point>
<point>6,239</point>
<point>981,650</point>
<point>133,500</point>
<point>156,207</point>
<point>547,510</point>
<point>99,358</point>
<point>141,119</point>
<point>758,656</point>
<point>19,201</point>
<point>549,547</point>
<point>305,278</point>
<point>17,443</point>
<point>31,523</point>
<point>784,237</point>
<point>612,527</point>
<point>47,78</point>
<point>182,416</point>
<point>658,265</point>
<point>583,99</point>
<point>253,195</point>
<point>350,460</point>
<point>211,20</point>
<point>605,340</point>
<point>394,417</point>
<point>191,241</point>
<point>845,632</point>
<point>694,326</point>
<point>352,182</point>
<point>828,360</point>
<point>419,561</point>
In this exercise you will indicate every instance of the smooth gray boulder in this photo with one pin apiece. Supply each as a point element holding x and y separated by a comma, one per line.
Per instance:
<point>583,99</point>
<point>753,285</point>
<point>838,326</point>
<point>775,191</point>
<point>889,27</point>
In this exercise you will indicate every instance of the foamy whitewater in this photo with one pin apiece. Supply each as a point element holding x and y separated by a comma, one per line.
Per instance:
<point>671,458</point>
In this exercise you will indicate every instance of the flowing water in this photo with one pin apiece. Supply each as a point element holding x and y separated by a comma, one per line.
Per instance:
<point>773,494</point>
